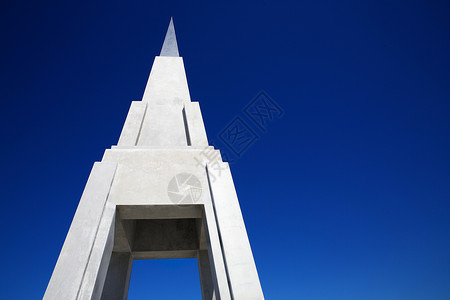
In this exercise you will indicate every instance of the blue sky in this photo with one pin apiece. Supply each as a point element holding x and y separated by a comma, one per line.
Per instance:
<point>344,197</point>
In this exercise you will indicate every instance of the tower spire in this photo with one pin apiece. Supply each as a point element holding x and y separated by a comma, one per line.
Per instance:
<point>155,186</point>
<point>170,47</point>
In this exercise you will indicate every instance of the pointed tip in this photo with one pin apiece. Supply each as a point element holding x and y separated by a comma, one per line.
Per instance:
<point>170,46</point>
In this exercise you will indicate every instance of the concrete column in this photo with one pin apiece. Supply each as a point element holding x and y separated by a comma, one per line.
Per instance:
<point>206,280</point>
<point>133,124</point>
<point>78,248</point>
<point>118,277</point>
<point>99,260</point>
<point>215,255</point>
<point>194,124</point>
<point>238,257</point>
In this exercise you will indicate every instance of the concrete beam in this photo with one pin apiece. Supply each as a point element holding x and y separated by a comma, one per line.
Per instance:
<point>172,211</point>
<point>165,254</point>
<point>165,235</point>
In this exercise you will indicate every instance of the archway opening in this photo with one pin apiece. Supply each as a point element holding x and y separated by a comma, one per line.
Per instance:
<point>165,279</point>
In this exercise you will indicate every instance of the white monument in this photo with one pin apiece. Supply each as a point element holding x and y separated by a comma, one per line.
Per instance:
<point>162,192</point>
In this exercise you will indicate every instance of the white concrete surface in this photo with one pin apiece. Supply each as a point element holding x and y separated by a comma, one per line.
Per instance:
<point>71,266</point>
<point>133,123</point>
<point>241,268</point>
<point>126,211</point>
<point>194,125</point>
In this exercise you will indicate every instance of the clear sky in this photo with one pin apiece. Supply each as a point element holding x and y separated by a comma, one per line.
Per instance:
<point>346,196</point>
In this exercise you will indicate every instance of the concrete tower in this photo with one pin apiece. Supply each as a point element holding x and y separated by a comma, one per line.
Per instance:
<point>162,192</point>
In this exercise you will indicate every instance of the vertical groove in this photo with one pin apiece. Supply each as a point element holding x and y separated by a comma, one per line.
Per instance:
<point>186,128</point>
<point>142,123</point>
